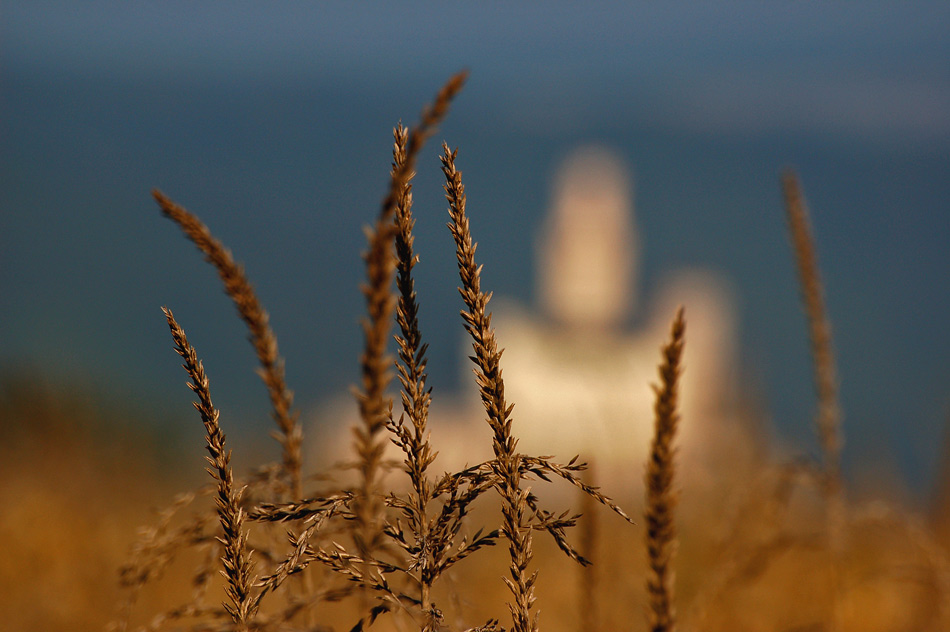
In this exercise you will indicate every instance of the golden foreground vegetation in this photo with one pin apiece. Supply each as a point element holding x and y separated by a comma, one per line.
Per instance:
<point>766,545</point>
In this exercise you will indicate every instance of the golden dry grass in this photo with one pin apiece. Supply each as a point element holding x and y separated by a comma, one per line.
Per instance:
<point>661,496</point>
<point>762,545</point>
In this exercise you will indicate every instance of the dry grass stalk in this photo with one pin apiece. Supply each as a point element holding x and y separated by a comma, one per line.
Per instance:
<point>290,434</point>
<point>589,606</point>
<point>828,419</point>
<point>819,329</point>
<point>315,513</point>
<point>412,352</point>
<point>236,557</point>
<point>661,498</point>
<point>432,545</point>
<point>374,363</point>
<point>415,396</point>
<point>492,388</point>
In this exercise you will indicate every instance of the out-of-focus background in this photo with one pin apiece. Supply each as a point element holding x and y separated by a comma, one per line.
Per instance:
<point>273,123</point>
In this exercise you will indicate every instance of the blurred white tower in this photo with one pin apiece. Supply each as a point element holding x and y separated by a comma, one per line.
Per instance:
<point>588,249</point>
<point>579,377</point>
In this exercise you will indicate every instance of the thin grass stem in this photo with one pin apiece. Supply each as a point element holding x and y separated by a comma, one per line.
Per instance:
<point>487,359</point>
<point>661,497</point>
<point>236,558</point>
<point>237,286</point>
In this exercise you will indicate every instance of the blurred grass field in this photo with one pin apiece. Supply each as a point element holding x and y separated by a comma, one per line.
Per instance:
<point>77,482</point>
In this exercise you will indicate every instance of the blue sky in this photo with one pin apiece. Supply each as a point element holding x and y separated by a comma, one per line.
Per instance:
<point>880,70</point>
<point>887,57</point>
<point>273,124</point>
